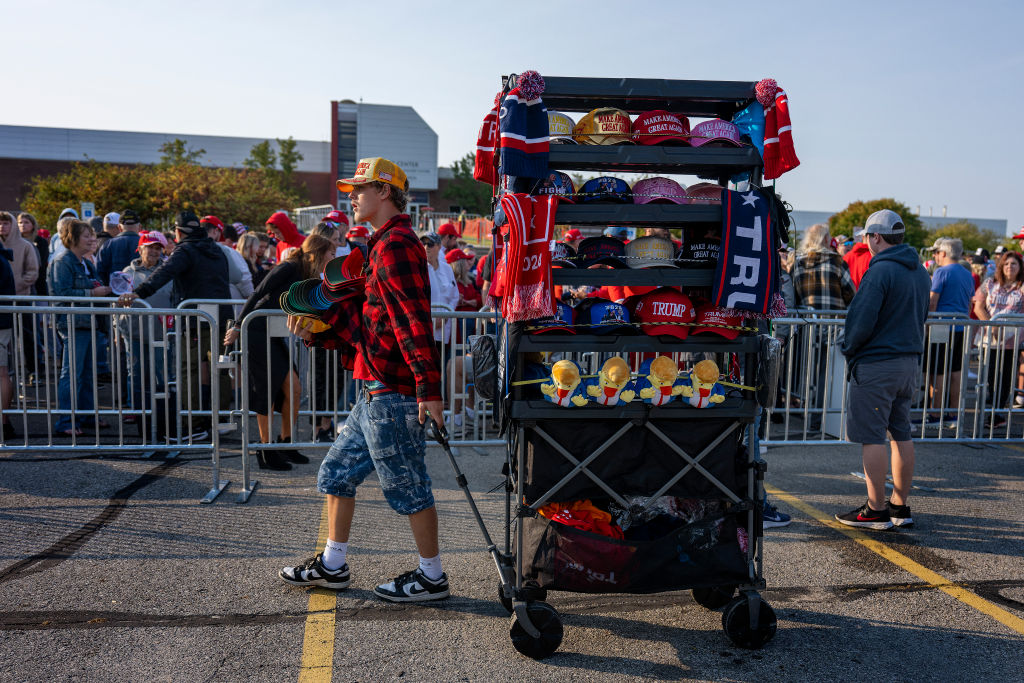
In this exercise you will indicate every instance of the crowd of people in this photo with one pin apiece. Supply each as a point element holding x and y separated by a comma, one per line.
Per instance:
<point>201,258</point>
<point>825,273</point>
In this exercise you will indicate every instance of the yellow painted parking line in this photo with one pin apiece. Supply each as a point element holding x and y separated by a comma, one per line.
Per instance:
<point>905,563</point>
<point>318,641</point>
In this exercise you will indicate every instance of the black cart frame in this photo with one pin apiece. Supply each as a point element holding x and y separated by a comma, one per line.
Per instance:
<point>718,466</point>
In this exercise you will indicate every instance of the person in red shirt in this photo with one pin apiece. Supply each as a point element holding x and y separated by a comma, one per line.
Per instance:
<point>469,295</point>
<point>857,258</point>
<point>399,362</point>
<point>573,238</point>
<point>281,227</point>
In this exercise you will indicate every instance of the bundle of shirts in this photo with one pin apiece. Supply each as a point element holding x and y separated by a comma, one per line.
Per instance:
<point>664,516</point>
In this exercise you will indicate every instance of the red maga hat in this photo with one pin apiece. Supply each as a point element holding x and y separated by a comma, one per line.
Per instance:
<point>708,315</point>
<point>337,217</point>
<point>658,126</point>
<point>448,229</point>
<point>455,255</point>
<point>572,235</point>
<point>357,231</point>
<point>213,220</point>
<point>662,312</point>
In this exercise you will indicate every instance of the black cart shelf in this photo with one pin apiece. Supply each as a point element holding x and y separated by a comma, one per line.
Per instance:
<point>690,452</point>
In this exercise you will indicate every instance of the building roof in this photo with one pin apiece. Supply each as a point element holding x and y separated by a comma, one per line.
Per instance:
<point>125,147</point>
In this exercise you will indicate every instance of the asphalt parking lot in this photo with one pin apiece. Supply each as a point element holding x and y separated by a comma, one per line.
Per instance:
<point>111,570</point>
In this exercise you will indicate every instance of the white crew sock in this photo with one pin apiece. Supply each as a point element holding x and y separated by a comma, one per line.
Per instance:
<point>457,419</point>
<point>334,554</point>
<point>470,413</point>
<point>431,567</point>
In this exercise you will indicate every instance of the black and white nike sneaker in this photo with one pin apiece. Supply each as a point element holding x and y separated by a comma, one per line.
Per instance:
<point>413,586</point>
<point>312,572</point>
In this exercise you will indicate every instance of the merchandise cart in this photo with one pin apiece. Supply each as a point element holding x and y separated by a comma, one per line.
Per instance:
<point>632,455</point>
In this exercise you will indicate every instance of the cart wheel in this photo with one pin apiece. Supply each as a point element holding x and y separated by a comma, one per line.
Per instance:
<point>736,623</point>
<point>533,593</point>
<point>505,602</point>
<point>713,597</point>
<point>544,617</point>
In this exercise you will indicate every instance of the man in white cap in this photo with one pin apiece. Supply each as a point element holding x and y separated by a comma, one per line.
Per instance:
<point>883,343</point>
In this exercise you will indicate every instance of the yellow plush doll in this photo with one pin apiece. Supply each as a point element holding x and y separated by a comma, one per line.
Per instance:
<point>612,385</point>
<point>658,383</point>
<point>565,388</point>
<point>701,388</point>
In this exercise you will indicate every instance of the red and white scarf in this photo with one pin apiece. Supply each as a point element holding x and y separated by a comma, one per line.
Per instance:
<point>779,153</point>
<point>528,291</point>
<point>486,146</point>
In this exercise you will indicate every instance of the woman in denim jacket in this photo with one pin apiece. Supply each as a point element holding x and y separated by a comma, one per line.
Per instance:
<point>73,274</point>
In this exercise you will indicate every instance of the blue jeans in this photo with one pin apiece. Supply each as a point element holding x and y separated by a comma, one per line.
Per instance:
<point>77,358</point>
<point>384,434</point>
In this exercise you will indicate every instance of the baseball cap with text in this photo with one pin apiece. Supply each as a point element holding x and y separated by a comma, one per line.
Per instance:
<point>884,222</point>
<point>663,311</point>
<point>357,231</point>
<point>717,321</point>
<point>560,128</point>
<point>336,216</point>
<point>659,190</point>
<point>651,252</point>
<point>659,126</point>
<point>716,133</point>
<point>375,169</point>
<point>603,126</point>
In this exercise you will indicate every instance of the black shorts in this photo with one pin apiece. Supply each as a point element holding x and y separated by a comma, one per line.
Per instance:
<point>937,354</point>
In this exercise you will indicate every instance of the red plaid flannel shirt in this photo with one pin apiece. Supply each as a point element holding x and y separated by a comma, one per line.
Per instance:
<point>397,332</point>
<point>396,328</point>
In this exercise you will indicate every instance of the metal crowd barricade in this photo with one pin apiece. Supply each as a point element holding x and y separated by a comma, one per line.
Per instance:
<point>978,403</point>
<point>328,391</point>
<point>126,365</point>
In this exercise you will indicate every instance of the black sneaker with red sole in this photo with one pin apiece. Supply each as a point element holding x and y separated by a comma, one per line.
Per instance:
<point>866,518</point>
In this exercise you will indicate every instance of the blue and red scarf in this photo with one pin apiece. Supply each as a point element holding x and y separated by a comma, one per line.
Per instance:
<point>747,273</point>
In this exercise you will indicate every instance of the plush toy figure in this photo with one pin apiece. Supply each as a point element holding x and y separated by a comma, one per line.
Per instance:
<point>612,385</point>
<point>658,382</point>
<point>701,388</point>
<point>565,388</point>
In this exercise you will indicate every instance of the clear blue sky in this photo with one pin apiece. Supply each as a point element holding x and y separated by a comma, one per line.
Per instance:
<point>919,101</point>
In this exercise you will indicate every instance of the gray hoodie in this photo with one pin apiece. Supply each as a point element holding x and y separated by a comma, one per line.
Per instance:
<point>886,318</point>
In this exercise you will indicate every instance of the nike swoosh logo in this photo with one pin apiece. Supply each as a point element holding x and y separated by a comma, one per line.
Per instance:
<point>411,590</point>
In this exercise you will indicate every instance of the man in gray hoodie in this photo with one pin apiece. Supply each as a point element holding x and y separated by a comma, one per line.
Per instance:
<point>883,343</point>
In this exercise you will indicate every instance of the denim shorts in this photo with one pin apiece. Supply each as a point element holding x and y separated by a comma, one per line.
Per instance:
<point>384,434</point>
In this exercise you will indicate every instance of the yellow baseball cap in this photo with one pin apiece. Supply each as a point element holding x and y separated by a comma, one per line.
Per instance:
<point>375,169</point>
<point>604,126</point>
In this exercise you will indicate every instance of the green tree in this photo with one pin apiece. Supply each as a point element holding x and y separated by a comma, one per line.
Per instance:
<point>262,156</point>
<point>972,236</point>
<point>177,152</point>
<point>159,192</point>
<point>289,157</point>
<point>854,216</point>
<point>464,190</point>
